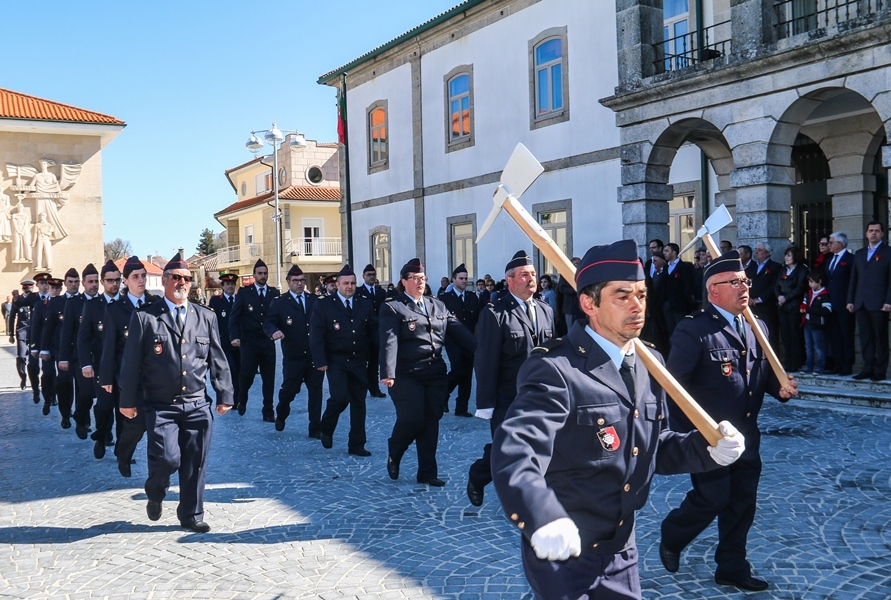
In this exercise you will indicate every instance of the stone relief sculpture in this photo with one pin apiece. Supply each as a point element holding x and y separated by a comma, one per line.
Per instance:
<point>5,218</point>
<point>21,231</point>
<point>43,236</point>
<point>48,192</point>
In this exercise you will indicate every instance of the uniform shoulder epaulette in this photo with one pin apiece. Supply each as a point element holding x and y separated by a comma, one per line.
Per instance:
<point>196,305</point>
<point>548,346</point>
<point>696,313</point>
<point>648,344</point>
<point>390,299</point>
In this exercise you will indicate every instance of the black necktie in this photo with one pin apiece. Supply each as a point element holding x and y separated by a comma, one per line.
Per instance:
<point>231,301</point>
<point>181,317</point>
<point>300,303</point>
<point>349,307</point>
<point>740,328</point>
<point>627,373</point>
<point>139,303</point>
<point>262,293</point>
<point>834,262</point>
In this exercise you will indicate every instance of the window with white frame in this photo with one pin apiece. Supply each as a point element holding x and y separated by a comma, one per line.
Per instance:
<point>462,247</point>
<point>378,136</point>
<point>675,27</point>
<point>549,77</point>
<point>380,253</point>
<point>249,234</point>
<point>554,223</point>
<point>459,124</point>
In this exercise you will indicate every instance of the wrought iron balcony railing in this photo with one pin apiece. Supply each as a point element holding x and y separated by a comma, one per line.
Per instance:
<point>693,48</point>
<point>801,16</point>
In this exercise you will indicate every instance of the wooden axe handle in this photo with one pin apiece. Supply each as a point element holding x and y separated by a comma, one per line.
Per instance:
<point>778,369</point>
<point>698,417</point>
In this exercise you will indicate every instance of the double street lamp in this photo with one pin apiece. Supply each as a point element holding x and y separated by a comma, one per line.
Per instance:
<point>274,138</point>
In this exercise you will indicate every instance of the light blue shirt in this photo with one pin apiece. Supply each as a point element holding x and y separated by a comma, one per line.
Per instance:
<point>134,299</point>
<point>616,354</point>
<point>173,308</point>
<point>730,317</point>
<point>871,251</point>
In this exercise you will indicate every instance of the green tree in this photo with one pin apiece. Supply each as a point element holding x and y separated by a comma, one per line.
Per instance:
<point>117,248</point>
<point>207,243</point>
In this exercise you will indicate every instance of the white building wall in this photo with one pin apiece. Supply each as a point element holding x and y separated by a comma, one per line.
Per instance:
<point>400,218</point>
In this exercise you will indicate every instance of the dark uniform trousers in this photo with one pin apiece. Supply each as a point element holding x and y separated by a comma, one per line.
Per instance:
<point>729,378</point>
<point>505,340</point>
<point>50,341</point>
<point>292,320</point>
<point>223,309</point>
<point>19,322</point>
<point>338,340</point>
<point>614,576</point>
<point>411,354</point>
<point>173,363</point>
<point>257,351</point>
<point>373,369</point>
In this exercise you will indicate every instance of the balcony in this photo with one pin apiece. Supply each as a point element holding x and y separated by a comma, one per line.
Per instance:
<point>233,256</point>
<point>692,48</point>
<point>798,16</point>
<point>313,249</point>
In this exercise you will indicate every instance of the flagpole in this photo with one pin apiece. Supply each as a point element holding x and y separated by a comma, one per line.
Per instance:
<point>348,208</point>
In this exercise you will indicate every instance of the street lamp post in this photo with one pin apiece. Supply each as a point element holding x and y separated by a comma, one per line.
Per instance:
<point>274,137</point>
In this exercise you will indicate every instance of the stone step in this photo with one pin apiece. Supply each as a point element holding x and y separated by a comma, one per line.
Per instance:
<point>846,383</point>
<point>848,397</point>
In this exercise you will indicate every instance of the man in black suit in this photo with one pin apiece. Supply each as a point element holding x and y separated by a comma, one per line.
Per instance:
<point>506,333</point>
<point>764,273</point>
<point>19,326</point>
<point>222,305</point>
<point>49,288</point>
<point>116,328</point>
<point>869,298</point>
<point>90,336</point>
<point>464,304</point>
<point>371,291</point>
<point>172,347</point>
<point>656,248</point>
<point>288,320</point>
<point>339,327</point>
<point>257,350</point>
<point>50,344</point>
<point>837,269</point>
<point>678,300</point>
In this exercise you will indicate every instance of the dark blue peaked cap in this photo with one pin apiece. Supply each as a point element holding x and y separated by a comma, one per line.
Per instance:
<point>615,262</point>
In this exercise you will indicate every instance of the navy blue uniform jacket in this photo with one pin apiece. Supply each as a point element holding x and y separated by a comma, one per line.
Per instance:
<point>337,339</point>
<point>35,330</point>
<point>505,341</point>
<point>285,315</point>
<point>163,366</point>
<point>116,329</point>
<point>870,285</point>
<point>839,280</point>
<point>573,444</point>
<point>249,313</point>
<point>91,333</point>
<point>223,310</point>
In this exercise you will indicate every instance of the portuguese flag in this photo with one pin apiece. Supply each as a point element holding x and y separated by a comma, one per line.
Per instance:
<point>341,117</point>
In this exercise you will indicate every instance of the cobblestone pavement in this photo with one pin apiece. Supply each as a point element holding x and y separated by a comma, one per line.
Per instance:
<point>292,520</point>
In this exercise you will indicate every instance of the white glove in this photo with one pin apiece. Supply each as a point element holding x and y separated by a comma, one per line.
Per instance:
<point>484,413</point>
<point>558,540</point>
<point>730,447</point>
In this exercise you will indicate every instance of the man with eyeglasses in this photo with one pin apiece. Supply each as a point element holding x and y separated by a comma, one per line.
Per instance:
<point>716,358</point>
<point>172,349</point>
<point>413,330</point>
<point>90,336</point>
<point>257,349</point>
<point>116,325</point>
<point>288,320</point>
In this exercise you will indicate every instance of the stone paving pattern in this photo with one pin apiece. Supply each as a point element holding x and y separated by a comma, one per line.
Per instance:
<point>292,520</point>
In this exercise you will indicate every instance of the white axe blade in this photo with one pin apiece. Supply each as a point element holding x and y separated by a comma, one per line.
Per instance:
<point>521,171</point>
<point>715,222</point>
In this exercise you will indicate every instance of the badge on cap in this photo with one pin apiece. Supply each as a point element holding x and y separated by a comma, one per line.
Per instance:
<point>158,348</point>
<point>289,321</point>
<point>609,439</point>
<point>726,369</point>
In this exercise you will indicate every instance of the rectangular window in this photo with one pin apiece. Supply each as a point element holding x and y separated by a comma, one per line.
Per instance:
<point>676,25</point>
<point>263,181</point>
<point>554,223</point>
<point>681,222</point>
<point>249,234</point>
<point>286,216</point>
<point>378,150</point>
<point>549,76</point>
<point>380,258</point>
<point>459,104</point>
<point>462,247</point>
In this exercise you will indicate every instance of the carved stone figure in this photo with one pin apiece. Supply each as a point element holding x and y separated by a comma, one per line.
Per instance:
<point>43,245</point>
<point>47,191</point>
<point>5,218</point>
<point>21,231</point>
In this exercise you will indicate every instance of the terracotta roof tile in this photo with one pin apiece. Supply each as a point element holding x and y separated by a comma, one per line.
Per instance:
<point>15,105</point>
<point>150,268</point>
<point>293,192</point>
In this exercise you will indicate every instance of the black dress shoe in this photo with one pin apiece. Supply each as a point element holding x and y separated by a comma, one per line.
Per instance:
<point>153,510</point>
<point>81,431</point>
<point>474,494</point>
<point>862,375</point>
<point>392,468</point>
<point>432,481</point>
<point>279,424</point>
<point>315,435</point>
<point>124,468</point>
<point>66,423</point>
<point>878,377</point>
<point>196,526</point>
<point>377,394</point>
<point>844,372</point>
<point>359,452</point>
<point>748,583</point>
<point>670,560</point>
<point>36,397</point>
<point>268,419</point>
<point>109,439</point>
<point>46,408</point>
<point>99,449</point>
<point>241,408</point>
<point>463,414</point>
<point>327,441</point>
<point>23,384</point>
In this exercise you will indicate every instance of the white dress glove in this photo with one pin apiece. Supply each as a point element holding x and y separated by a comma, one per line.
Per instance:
<point>558,540</point>
<point>730,447</point>
<point>484,413</point>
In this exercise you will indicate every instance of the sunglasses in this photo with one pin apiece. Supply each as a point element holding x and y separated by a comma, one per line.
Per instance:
<point>177,277</point>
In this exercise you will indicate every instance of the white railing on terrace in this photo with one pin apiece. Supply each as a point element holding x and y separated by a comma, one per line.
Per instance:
<point>231,256</point>
<point>314,246</point>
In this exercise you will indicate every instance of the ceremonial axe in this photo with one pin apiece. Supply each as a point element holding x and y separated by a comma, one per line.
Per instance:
<point>718,219</point>
<point>519,173</point>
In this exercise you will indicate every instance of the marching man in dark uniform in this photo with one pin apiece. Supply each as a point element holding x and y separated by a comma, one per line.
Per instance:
<point>172,346</point>
<point>117,329</point>
<point>222,305</point>
<point>371,291</point>
<point>47,366</point>
<point>68,359</point>
<point>35,324</point>
<point>90,336</point>
<point>19,323</point>
<point>716,357</point>
<point>573,460</point>
<point>340,328</point>
<point>465,306</point>
<point>51,342</point>
<point>507,331</point>
<point>413,330</point>
<point>246,333</point>
<point>288,321</point>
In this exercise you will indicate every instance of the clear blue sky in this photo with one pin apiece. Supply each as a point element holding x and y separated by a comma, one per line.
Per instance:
<point>191,79</point>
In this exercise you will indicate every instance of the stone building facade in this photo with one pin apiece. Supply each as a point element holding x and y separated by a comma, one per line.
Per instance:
<point>789,100</point>
<point>50,187</point>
